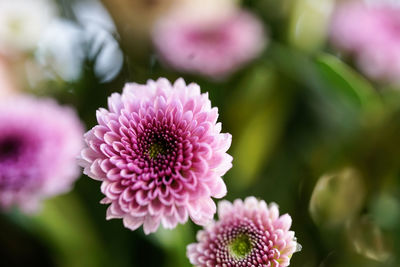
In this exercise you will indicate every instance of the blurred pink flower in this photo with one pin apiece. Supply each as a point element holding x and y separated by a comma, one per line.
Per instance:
<point>371,33</point>
<point>213,46</point>
<point>248,233</point>
<point>160,155</point>
<point>39,143</point>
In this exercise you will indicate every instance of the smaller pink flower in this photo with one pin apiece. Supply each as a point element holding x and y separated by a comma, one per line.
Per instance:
<point>371,33</point>
<point>248,233</point>
<point>213,46</point>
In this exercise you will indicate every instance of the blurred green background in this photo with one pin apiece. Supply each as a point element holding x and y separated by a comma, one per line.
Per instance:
<point>309,133</point>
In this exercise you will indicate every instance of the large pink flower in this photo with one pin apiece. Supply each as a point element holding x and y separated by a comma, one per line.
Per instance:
<point>160,155</point>
<point>371,33</point>
<point>214,46</point>
<point>248,233</point>
<point>39,143</point>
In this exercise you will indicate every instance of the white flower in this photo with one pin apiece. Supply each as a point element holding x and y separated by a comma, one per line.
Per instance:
<point>22,23</point>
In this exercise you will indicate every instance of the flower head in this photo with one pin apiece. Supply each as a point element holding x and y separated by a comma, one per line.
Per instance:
<point>160,155</point>
<point>39,142</point>
<point>371,33</point>
<point>22,23</point>
<point>215,44</point>
<point>248,233</point>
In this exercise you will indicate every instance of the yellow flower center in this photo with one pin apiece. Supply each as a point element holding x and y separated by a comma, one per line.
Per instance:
<point>155,150</point>
<point>240,247</point>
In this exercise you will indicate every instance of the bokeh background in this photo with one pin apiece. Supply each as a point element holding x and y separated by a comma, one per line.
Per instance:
<point>310,132</point>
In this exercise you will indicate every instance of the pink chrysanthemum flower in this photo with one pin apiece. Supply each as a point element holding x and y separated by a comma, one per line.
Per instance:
<point>248,233</point>
<point>214,46</point>
<point>160,155</point>
<point>39,143</point>
<point>371,33</point>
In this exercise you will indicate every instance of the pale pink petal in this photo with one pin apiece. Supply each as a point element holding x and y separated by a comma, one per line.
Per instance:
<point>214,46</point>
<point>248,225</point>
<point>148,152</point>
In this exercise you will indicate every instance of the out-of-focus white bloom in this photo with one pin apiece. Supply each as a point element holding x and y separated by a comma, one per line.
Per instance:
<point>61,52</point>
<point>98,30</point>
<point>65,44</point>
<point>98,27</point>
<point>93,13</point>
<point>22,23</point>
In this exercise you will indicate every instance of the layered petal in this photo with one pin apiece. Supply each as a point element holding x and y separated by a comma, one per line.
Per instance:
<point>160,155</point>
<point>248,233</point>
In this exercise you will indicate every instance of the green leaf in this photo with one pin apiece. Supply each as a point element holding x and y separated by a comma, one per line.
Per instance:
<point>66,226</point>
<point>259,137</point>
<point>175,241</point>
<point>347,83</point>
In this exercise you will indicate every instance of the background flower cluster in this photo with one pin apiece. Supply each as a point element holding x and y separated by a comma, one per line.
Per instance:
<point>294,102</point>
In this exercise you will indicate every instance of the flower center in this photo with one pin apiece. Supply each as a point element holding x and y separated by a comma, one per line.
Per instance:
<point>241,246</point>
<point>9,148</point>
<point>156,149</point>
<point>217,35</point>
